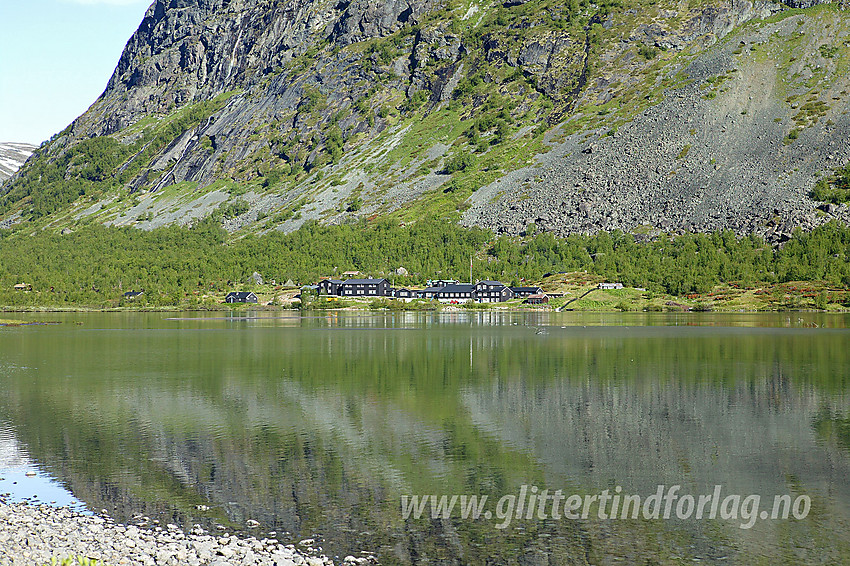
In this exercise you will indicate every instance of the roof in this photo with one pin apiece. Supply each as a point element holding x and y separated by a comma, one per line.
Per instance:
<point>241,294</point>
<point>525,289</point>
<point>490,283</point>
<point>334,281</point>
<point>457,288</point>
<point>362,281</point>
<point>539,296</point>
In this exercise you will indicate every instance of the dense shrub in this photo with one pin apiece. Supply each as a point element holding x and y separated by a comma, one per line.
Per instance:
<point>461,161</point>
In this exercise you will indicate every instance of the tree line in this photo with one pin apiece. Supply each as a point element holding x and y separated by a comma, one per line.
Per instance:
<point>178,266</point>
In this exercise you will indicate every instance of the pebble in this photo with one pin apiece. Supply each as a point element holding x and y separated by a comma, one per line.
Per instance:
<point>36,534</point>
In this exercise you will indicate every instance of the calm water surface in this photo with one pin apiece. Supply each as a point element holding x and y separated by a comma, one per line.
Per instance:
<point>315,426</point>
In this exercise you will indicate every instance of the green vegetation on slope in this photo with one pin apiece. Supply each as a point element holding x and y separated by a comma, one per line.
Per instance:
<point>86,168</point>
<point>178,266</point>
<point>97,165</point>
<point>835,189</point>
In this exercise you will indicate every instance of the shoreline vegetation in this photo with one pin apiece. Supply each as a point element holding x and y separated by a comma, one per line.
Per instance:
<point>33,535</point>
<point>811,297</point>
<point>192,269</point>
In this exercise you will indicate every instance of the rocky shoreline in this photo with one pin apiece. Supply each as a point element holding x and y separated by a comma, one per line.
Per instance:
<point>35,534</point>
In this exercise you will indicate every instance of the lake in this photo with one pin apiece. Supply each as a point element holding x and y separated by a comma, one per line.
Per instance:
<point>316,426</point>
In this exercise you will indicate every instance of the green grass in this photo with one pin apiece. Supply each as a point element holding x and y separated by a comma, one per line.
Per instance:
<point>176,189</point>
<point>443,126</point>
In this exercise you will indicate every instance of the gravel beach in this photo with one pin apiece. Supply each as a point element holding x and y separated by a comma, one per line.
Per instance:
<point>34,534</point>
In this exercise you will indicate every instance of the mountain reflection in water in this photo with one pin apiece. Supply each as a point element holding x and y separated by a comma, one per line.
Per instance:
<point>317,425</point>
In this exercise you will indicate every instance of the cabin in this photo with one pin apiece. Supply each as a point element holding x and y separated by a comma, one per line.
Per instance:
<point>365,288</point>
<point>492,292</point>
<point>403,294</point>
<point>350,274</point>
<point>456,293</point>
<point>537,299</point>
<point>442,282</point>
<point>330,286</point>
<point>610,286</point>
<point>133,295</point>
<point>525,292</point>
<point>241,297</point>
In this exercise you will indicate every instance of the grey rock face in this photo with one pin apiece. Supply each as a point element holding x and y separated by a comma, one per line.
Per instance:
<point>714,22</point>
<point>809,3</point>
<point>186,51</point>
<point>364,19</point>
<point>189,51</point>
<point>552,57</point>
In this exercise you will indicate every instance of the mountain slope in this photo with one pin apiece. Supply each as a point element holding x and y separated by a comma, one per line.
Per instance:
<point>12,156</point>
<point>718,151</point>
<point>645,117</point>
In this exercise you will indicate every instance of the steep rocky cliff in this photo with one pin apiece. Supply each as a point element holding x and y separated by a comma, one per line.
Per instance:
<point>189,51</point>
<point>576,117</point>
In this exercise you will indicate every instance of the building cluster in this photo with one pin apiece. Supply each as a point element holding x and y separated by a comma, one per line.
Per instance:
<point>444,291</point>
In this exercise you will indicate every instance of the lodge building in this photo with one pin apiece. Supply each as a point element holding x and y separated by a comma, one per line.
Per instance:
<point>443,291</point>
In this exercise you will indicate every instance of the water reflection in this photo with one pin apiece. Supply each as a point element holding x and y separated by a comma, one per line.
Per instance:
<point>313,425</point>
<point>22,480</point>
